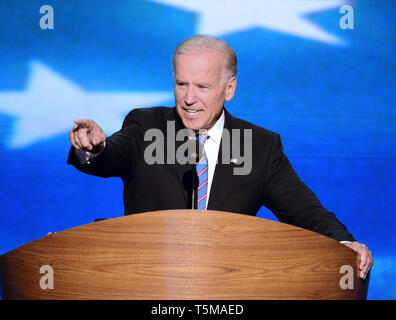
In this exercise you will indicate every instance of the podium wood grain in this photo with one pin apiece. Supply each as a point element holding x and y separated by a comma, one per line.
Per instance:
<point>182,254</point>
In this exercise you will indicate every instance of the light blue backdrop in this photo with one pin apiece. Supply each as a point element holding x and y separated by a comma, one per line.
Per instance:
<point>326,90</point>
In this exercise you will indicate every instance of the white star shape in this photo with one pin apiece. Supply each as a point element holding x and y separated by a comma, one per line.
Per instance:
<point>50,103</point>
<point>219,17</point>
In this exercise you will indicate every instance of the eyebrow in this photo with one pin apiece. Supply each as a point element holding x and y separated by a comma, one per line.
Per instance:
<point>204,84</point>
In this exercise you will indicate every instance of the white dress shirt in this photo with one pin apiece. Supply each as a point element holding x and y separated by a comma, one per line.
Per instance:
<point>212,146</point>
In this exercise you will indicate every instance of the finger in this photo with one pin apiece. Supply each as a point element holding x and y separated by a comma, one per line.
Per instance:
<point>71,137</point>
<point>365,256</point>
<point>84,139</point>
<point>97,136</point>
<point>84,123</point>
<point>93,136</point>
<point>369,263</point>
<point>363,261</point>
<point>366,262</point>
<point>363,267</point>
<point>77,140</point>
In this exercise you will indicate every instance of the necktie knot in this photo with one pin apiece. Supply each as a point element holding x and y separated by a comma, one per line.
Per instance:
<point>203,138</point>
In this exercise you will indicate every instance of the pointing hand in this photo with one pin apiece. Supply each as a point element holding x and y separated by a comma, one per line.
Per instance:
<point>86,135</point>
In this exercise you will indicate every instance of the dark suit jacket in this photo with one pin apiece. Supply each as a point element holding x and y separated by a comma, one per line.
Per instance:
<point>272,181</point>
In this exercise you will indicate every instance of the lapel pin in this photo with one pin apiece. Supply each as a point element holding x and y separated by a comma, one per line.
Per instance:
<point>234,161</point>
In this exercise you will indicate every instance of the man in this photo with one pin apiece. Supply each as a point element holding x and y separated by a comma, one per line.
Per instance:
<point>205,77</point>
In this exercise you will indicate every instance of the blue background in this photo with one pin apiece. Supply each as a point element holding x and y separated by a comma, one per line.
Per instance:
<point>332,105</point>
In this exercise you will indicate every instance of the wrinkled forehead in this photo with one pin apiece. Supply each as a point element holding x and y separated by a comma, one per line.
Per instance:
<point>200,64</point>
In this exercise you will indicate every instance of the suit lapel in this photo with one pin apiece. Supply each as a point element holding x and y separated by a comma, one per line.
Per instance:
<point>223,178</point>
<point>183,172</point>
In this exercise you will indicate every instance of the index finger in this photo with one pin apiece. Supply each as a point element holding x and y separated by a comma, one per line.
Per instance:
<point>85,123</point>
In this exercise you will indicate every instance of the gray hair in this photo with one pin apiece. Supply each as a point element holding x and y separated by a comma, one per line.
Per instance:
<point>198,43</point>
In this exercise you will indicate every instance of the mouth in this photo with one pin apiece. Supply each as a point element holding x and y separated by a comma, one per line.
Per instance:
<point>191,111</point>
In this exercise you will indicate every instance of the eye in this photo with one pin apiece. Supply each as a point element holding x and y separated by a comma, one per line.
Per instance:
<point>180,84</point>
<point>202,86</point>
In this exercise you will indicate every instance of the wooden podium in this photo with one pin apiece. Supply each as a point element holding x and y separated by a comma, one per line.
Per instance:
<point>184,254</point>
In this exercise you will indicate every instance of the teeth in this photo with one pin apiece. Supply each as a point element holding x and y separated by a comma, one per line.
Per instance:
<point>192,111</point>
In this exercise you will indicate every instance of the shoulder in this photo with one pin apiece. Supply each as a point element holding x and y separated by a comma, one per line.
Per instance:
<point>259,134</point>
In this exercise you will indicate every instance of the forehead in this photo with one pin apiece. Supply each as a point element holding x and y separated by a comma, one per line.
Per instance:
<point>205,64</point>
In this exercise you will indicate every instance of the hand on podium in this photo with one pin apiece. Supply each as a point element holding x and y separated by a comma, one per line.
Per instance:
<point>366,259</point>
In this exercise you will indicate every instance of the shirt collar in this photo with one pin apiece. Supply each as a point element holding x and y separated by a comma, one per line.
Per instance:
<point>216,131</point>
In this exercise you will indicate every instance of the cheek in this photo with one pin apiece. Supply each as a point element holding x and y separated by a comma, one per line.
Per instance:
<point>214,103</point>
<point>177,95</point>
<point>206,100</point>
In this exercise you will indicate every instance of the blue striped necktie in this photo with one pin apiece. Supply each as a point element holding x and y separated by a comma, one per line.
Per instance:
<point>202,172</point>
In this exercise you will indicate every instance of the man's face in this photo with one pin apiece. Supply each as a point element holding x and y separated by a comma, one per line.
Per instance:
<point>200,89</point>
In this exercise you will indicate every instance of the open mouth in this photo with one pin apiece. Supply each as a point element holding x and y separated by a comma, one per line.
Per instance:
<point>191,111</point>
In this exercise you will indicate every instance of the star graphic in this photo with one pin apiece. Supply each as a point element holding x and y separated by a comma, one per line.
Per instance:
<point>50,103</point>
<point>287,16</point>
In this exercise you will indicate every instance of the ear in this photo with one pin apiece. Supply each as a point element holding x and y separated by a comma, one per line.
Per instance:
<point>230,89</point>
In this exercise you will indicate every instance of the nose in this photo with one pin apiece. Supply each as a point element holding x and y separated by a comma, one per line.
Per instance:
<point>189,98</point>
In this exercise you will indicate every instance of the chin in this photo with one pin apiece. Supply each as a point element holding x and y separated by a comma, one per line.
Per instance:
<point>192,125</point>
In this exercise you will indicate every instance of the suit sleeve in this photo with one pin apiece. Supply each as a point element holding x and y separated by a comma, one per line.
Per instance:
<point>293,202</point>
<point>119,157</point>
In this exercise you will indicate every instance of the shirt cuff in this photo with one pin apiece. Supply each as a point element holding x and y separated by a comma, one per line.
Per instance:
<point>346,242</point>
<point>85,157</point>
